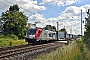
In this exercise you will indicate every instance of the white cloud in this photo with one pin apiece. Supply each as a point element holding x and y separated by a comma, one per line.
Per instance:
<point>59,2</point>
<point>29,6</point>
<point>65,19</point>
<point>38,18</point>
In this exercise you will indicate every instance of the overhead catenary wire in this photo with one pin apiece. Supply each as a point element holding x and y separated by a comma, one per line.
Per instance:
<point>53,8</point>
<point>8,1</point>
<point>28,10</point>
<point>25,9</point>
<point>19,6</point>
<point>2,8</point>
<point>3,4</point>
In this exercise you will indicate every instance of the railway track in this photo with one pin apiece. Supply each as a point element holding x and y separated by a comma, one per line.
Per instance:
<point>24,52</point>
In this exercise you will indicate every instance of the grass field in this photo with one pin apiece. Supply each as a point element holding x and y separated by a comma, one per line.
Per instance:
<point>73,51</point>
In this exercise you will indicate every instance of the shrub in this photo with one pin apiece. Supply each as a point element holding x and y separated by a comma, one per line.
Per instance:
<point>1,35</point>
<point>13,37</point>
<point>82,48</point>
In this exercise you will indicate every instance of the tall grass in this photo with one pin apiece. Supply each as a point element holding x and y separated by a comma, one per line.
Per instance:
<point>70,52</point>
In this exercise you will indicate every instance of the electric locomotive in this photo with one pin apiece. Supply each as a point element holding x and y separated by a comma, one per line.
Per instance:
<point>35,35</point>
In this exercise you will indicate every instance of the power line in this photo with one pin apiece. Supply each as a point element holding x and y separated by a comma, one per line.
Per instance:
<point>26,9</point>
<point>53,8</point>
<point>2,8</point>
<point>3,3</point>
<point>8,1</point>
<point>19,7</point>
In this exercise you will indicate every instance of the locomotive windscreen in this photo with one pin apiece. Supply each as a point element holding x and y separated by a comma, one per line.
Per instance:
<point>31,32</point>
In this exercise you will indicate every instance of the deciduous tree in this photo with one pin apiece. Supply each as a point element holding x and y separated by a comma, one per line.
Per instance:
<point>63,30</point>
<point>49,27</point>
<point>14,22</point>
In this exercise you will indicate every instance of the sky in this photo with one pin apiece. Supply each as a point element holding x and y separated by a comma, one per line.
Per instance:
<point>49,12</point>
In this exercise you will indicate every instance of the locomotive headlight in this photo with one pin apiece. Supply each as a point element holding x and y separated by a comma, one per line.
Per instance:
<point>31,36</point>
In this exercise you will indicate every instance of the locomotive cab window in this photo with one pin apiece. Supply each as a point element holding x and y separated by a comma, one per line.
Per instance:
<point>31,32</point>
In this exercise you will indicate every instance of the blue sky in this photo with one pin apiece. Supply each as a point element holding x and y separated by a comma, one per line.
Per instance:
<point>48,12</point>
<point>54,10</point>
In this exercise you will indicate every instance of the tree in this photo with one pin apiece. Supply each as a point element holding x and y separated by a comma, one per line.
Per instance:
<point>49,27</point>
<point>14,22</point>
<point>87,32</point>
<point>63,30</point>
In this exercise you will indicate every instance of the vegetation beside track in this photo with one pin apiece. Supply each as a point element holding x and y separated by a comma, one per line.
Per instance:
<point>74,51</point>
<point>10,40</point>
<point>13,26</point>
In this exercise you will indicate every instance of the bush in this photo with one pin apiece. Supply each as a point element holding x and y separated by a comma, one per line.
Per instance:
<point>13,37</point>
<point>1,35</point>
<point>82,49</point>
<point>80,44</point>
<point>86,40</point>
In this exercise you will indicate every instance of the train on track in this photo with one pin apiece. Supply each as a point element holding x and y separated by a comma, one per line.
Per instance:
<point>39,35</point>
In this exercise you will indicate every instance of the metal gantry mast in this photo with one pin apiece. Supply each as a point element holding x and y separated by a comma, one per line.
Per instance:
<point>81,21</point>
